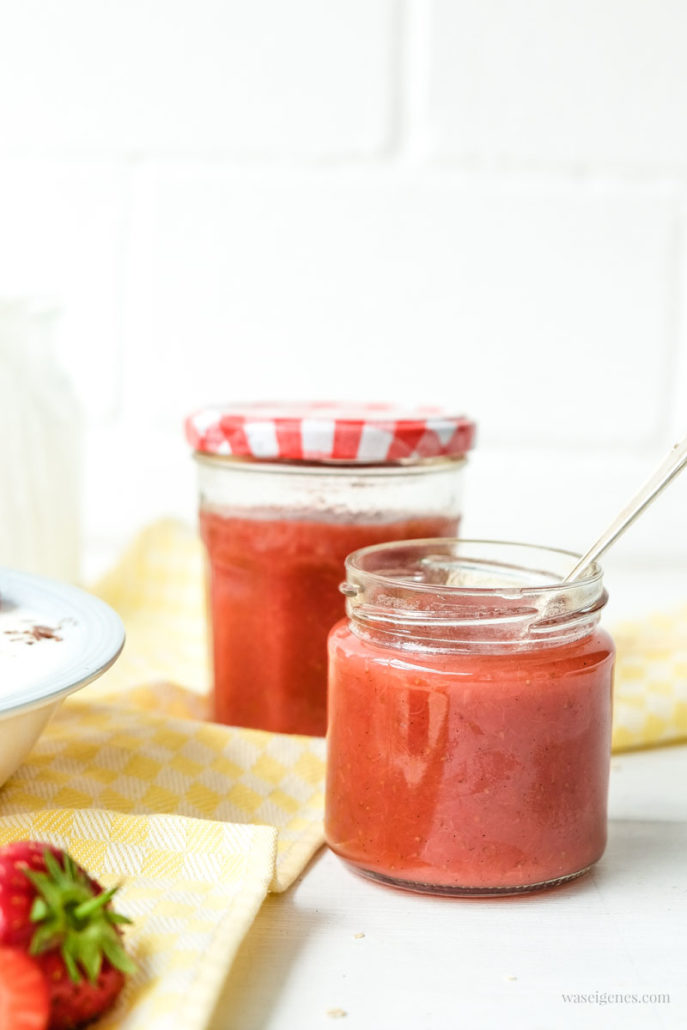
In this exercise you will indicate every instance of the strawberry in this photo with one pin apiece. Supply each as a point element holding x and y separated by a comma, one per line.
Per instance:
<point>52,909</point>
<point>17,894</point>
<point>72,1004</point>
<point>24,997</point>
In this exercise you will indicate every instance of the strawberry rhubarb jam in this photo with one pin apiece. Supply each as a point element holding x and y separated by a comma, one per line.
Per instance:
<point>274,596</point>
<point>470,718</point>
<point>286,492</point>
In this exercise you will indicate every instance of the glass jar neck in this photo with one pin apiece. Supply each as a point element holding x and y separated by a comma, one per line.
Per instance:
<point>463,595</point>
<point>339,492</point>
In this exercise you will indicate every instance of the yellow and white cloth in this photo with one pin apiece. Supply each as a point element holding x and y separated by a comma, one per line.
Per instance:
<point>199,821</point>
<point>650,697</point>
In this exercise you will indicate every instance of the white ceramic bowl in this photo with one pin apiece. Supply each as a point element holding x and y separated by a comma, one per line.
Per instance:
<point>54,639</point>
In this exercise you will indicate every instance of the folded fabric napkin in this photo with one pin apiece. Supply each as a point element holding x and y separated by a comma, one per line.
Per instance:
<point>197,821</point>
<point>158,588</point>
<point>650,697</point>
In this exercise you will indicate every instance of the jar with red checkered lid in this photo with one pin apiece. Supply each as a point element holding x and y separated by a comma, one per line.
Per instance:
<point>287,491</point>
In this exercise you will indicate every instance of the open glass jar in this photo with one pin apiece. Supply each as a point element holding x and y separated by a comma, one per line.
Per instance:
<point>469,718</point>
<point>286,492</point>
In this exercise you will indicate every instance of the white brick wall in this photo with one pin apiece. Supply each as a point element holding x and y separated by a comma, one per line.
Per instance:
<point>478,204</point>
<point>508,300</point>
<point>196,76</point>
<point>582,82</point>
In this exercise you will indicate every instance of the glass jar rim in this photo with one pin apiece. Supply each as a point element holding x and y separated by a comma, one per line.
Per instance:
<point>593,574</point>
<point>402,590</point>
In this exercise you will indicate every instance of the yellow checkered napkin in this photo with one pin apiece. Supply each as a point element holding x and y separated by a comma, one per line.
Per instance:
<point>158,588</point>
<point>198,821</point>
<point>127,760</point>
<point>192,888</point>
<point>651,680</point>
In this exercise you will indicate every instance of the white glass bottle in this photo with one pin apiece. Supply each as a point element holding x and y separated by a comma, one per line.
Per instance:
<point>39,447</point>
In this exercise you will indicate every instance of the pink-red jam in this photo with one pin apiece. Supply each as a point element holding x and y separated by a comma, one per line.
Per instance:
<point>472,772</point>
<point>274,596</point>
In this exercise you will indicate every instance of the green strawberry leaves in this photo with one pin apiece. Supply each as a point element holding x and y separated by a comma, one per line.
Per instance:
<point>71,916</point>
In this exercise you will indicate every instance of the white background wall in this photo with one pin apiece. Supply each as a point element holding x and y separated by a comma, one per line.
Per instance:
<point>478,204</point>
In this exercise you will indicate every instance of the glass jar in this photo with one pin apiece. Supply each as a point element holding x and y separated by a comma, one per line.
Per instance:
<point>285,494</point>
<point>469,718</point>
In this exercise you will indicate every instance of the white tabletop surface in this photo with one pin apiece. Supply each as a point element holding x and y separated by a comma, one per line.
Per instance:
<point>434,963</point>
<point>336,950</point>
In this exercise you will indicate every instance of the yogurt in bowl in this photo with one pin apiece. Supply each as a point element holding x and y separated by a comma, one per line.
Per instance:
<point>54,639</point>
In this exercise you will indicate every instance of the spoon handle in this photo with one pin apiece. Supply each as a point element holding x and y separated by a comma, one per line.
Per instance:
<point>674,462</point>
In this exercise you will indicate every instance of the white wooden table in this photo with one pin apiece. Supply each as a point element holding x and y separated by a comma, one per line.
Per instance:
<point>437,964</point>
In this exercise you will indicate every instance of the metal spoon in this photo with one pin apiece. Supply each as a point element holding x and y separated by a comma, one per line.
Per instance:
<point>674,462</point>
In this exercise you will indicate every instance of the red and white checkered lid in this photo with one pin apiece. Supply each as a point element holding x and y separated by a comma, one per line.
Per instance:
<point>354,434</point>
